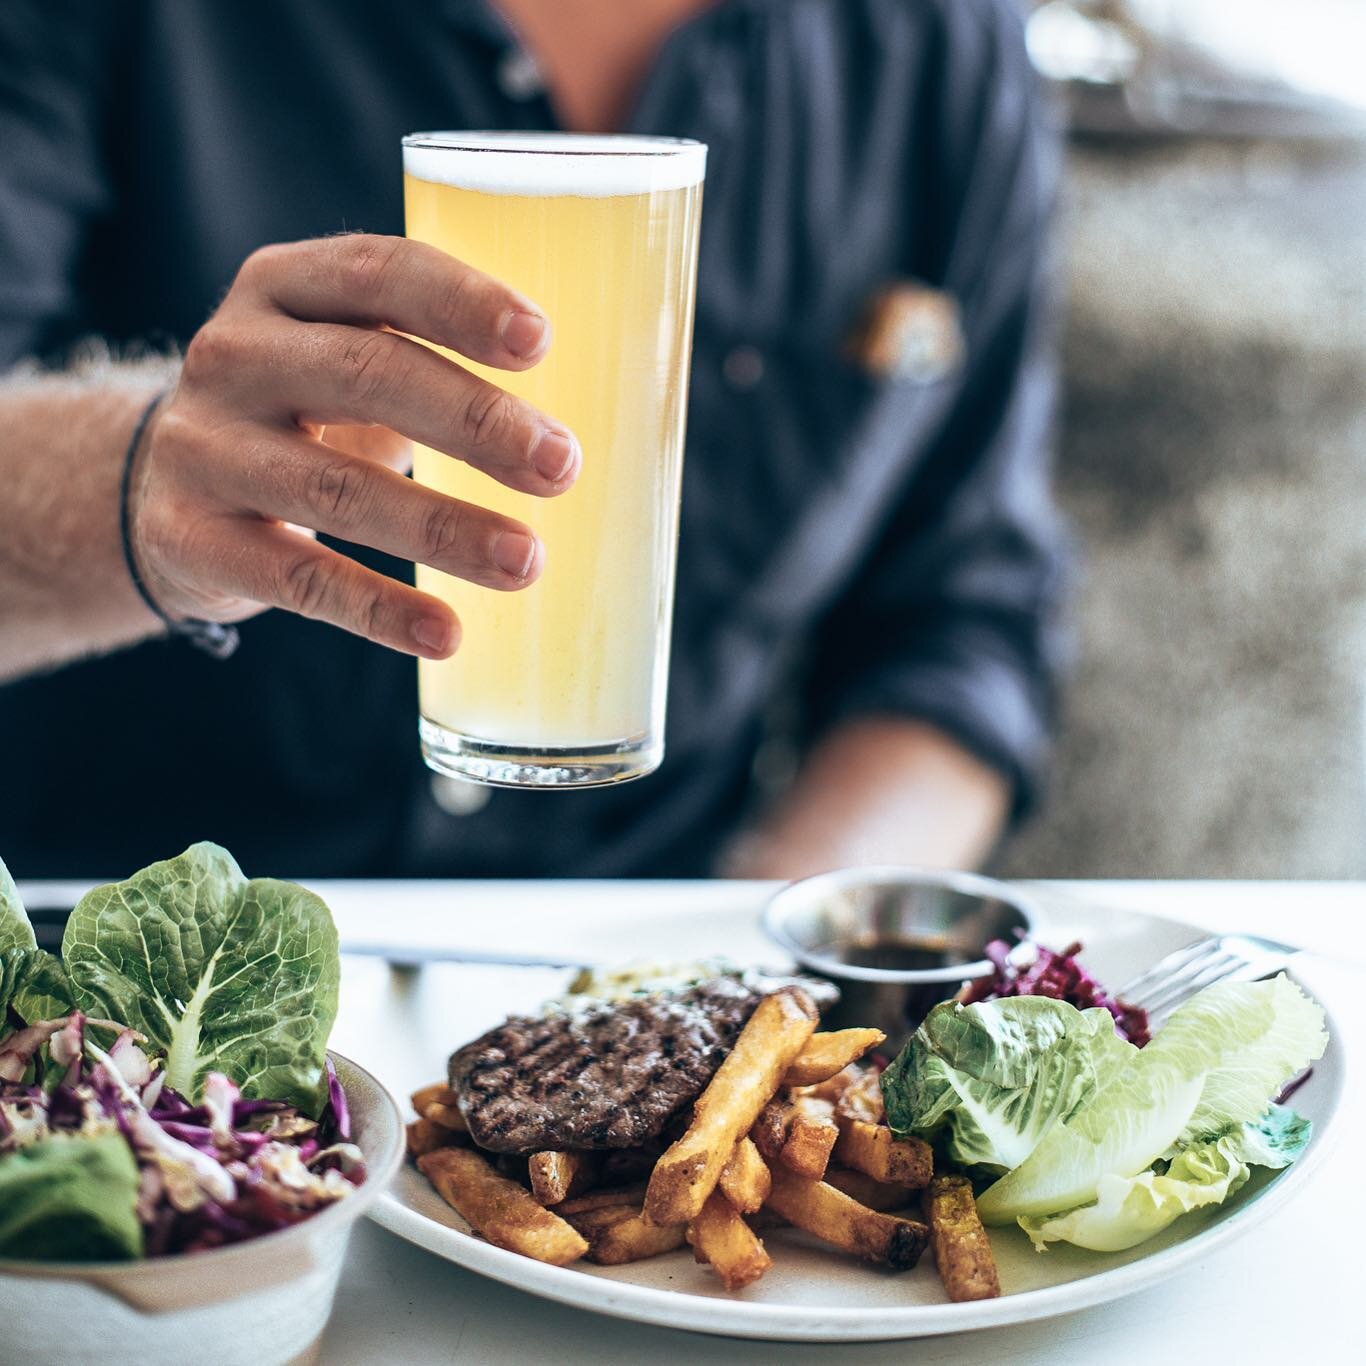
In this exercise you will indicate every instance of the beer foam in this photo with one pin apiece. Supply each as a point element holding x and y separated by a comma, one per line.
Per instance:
<point>576,164</point>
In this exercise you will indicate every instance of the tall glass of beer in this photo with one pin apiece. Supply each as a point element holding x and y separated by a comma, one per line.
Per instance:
<point>562,684</point>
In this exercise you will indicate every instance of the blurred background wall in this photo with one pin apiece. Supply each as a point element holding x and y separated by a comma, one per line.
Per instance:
<point>1213,445</point>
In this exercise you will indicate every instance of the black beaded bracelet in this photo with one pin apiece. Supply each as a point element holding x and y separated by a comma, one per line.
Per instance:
<point>213,637</point>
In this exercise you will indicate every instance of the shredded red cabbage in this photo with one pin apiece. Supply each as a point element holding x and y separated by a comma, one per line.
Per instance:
<point>1029,969</point>
<point>223,1171</point>
<point>336,1100</point>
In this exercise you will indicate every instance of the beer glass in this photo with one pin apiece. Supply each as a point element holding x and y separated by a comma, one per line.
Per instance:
<point>562,684</point>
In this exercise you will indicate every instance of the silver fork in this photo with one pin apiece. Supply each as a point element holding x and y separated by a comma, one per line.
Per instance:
<point>1219,958</point>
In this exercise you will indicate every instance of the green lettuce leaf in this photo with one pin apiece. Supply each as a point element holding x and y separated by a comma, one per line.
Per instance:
<point>1275,1140</point>
<point>1122,1129</point>
<point>1231,1042</point>
<point>222,974</point>
<point>70,1199</point>
<point>31,981</point>
<point>988,1081</point>
<point>1247,1038</point>
<point>40,987</point>
<point>15,930</point>
<point>1130,1210</point>
<point>16,940</point>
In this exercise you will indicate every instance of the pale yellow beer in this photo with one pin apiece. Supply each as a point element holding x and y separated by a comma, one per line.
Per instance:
<point>563,683</point>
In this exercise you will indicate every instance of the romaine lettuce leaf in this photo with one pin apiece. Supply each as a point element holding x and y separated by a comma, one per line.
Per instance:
<point>16,939</point>
<point>70,1199</point>
<point>31,981</point>
<point>1123,1128</point>
<point>1128,1211</point>
<point>220,973</point>
<point>1231,1042</point>
<point>40,987</point>
<point>15,930</point>
<point>1247,1038</point>
<point>988,1081</point>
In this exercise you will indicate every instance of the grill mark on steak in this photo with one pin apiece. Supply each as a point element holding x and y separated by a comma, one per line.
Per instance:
<point>608,1076</point>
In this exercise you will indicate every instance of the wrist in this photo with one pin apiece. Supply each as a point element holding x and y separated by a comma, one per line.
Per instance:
<point>214,638</point>
<point>132,491</point>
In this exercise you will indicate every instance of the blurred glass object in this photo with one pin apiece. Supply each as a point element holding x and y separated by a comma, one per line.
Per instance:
<point>1248,68</point>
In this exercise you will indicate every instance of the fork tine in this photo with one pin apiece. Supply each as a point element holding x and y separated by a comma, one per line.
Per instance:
<point>1201,973</point>
<point>1163,971</point>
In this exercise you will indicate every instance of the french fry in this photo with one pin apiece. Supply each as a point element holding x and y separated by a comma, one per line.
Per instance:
<point>745,1179</point>
<point>862,1099</point>
<point>769,1131</point>
<point>437,1103</point>
<point>602,1199</point>
<point>836,1219</point>
<point>556,1176</point>
<point>448,1117</point>
<point>810,1138</point>
<point>425,1137</point>
<point>688,1171</point>
<point>500,1209</point>
<point>633,1239</point>
<point>438,1093</point>
<point>962,1250</point>
<point>603,1217</point>
<point>826,1055</point>
<point>719,1236</point>
<point>832,1088</point>
<point>878,1195</point>
<point>871,1148</point>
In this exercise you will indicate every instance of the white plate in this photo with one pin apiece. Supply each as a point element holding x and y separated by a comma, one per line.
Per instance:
<point>812,1294</point>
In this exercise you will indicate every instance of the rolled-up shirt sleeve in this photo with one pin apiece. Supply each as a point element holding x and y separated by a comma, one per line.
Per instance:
<point>955,616</point>
<point>55,66</point>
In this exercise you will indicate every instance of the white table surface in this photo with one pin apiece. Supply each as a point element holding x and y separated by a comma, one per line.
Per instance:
<point>1293,1286</point>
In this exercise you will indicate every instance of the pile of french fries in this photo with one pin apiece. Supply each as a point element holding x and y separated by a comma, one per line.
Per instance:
<point>790,1131</point>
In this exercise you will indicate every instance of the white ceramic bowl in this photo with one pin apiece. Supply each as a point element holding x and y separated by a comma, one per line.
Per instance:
<point>253,1304</point>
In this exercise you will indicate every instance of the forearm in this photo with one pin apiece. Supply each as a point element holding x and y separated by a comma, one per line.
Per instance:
<point>64,590</point>
<point>879,790</point>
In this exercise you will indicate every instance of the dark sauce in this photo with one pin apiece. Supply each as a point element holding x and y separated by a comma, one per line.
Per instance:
<point>896,955</point>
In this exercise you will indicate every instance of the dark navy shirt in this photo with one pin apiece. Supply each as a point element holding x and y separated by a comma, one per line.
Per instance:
<point>861,543</point>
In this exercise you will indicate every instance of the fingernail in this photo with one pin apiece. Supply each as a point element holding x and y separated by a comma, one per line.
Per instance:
<point>513,552</point>
<point>433,634</point>
<point>524,334</point>
<point>554,455</point>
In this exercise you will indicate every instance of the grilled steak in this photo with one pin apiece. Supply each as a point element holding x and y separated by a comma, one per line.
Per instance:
<point>608,1076</point>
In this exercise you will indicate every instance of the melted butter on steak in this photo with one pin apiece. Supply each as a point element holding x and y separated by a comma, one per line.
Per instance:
<point>609,1075</point>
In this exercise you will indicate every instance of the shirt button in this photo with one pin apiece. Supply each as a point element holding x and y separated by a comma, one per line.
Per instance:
<point>519,78</point>
<point>456,797</point>
<point>743,367</point>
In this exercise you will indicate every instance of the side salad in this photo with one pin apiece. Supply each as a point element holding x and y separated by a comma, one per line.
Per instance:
<point>1070,1129</point>
<point>164,1084</point>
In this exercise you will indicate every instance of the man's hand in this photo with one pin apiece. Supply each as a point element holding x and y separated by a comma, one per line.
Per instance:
<point>234,475</point>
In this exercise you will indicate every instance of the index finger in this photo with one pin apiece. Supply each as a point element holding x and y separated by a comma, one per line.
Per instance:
<point>408,286</point>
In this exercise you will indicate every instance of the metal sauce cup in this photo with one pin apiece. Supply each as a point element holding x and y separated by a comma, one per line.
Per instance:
<point>896,941</point>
